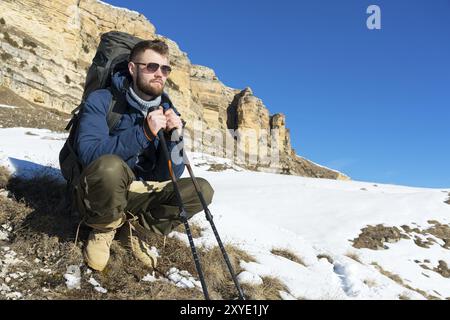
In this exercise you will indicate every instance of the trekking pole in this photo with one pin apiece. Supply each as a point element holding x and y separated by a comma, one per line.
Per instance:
<point>183,214</point>
<point>209,217</point>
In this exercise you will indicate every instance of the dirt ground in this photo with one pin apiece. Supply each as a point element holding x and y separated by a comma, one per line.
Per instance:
<point>378,237</point>
<point>29,115</point>
<point>37,246</point>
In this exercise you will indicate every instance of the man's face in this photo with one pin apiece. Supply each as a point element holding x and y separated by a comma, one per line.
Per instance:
<point>147,81</point>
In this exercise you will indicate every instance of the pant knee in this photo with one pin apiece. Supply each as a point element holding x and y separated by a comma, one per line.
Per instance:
<point>108,172</point>
<point>206,190</point>
<point>102,189</point>
<point>110,168</point>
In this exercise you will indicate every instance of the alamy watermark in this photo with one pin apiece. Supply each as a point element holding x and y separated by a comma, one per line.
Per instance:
<point>244,146</point>
<point>374,20</point>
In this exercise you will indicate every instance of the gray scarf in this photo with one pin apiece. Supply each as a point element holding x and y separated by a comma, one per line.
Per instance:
<point>144,104</point>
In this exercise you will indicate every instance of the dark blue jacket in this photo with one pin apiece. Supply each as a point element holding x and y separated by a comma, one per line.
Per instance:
<point>126,140</point>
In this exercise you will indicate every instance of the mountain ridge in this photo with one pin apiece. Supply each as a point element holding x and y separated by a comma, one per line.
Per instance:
<point>46,48</point>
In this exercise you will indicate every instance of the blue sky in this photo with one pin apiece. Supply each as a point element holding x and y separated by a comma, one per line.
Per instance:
<point>373,104</point>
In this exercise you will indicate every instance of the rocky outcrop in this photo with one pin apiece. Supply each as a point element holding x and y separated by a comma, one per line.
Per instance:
<point>47,46</point>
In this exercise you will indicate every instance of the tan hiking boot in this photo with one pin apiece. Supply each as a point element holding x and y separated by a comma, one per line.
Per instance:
<point>139,248</point>
<point>97,250</point>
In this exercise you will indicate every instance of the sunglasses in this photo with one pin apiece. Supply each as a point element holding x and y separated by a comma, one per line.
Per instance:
<point>152,67</point>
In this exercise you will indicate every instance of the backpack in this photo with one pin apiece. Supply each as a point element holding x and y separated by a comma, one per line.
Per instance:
<point>112,56</point>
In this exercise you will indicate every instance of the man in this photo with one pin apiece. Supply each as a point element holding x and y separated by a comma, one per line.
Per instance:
<point>125,175</point>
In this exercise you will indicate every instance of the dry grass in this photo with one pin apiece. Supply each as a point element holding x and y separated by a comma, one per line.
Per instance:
<point>285,253</point>
<point>370,283</point>
<point>396,278</point>
<point>374,237</point>
<point>325,256</point>
<point>4,177</point>
<point>388,274</point>
<point>441,231</point>
<point>196,230</point>
<point>218,276</point>
<point>217,167</point>
<point>354,256</point>
<point>442,269</point>
<point>45,196</point>
<point>44,230</point>
<point>268,290</point>
<point>123,275</point>
<point>404,296</point>
<point>12,211</point>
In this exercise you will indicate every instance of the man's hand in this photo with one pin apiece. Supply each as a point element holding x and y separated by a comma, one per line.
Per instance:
<point>156,120</point>
<point>173,120</point>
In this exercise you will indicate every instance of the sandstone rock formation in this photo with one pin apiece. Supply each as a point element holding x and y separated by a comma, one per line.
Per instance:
<point>47,46</point>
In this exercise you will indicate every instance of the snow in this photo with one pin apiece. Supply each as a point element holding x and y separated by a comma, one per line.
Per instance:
<point>20,146</point>
<point>249,278</point>
<point>149,277</point>
<point>182,279</point>
<point>321,166</point>
<point>4,235</point>
<point>8,260</point>
<point>97,285</point>
<point>5,229</point>
<point>153,251</point>
<point>7,106</point>
<point>4,193</point>
<point>72,282</point>
<point>73,277</point>
<point>259,212</point>
<point>119,8</point>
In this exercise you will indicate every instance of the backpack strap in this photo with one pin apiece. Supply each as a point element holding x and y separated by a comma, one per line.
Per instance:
<point>117,108</point>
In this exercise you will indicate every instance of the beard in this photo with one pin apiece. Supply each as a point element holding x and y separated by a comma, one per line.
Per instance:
<point>147,88</point>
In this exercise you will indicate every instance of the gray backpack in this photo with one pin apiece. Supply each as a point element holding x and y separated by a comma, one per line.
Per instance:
<point>112,56</point>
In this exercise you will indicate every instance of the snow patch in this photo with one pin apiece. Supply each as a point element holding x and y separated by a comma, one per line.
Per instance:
<point>7,106</point>
<point>149,277</point>
<point>119,8</point>
<point>73,277</point>
<point>97,285</point>
<point>249,278</point>
<point>4,235</point>
<point>182,279</point>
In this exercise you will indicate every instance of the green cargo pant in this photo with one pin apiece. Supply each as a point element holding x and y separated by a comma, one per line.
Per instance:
<point>107,190</point>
